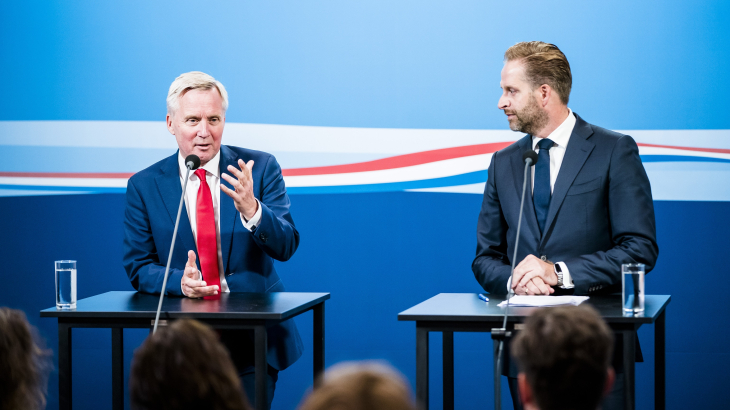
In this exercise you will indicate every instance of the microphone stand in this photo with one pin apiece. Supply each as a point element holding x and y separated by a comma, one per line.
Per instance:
<point>500,335</point>
<point>190,164</point>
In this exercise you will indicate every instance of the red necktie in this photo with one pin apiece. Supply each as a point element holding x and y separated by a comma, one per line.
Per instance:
<point>207,242</point>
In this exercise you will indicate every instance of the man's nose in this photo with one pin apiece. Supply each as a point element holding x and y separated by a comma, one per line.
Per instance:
<point>203,129</point>
<point>502,103</point>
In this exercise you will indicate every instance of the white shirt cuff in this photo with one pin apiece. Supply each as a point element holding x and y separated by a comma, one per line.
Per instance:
<point>253,222</point>
<point>567,279</point>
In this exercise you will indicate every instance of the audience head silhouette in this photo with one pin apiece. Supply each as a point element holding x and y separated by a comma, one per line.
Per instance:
<point>564,358</point>
<point>360,386</point>
<point>184,366</point>
<point>24,366</point>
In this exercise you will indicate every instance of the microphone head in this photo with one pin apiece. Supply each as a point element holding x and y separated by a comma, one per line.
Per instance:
<point>531,155</point>
<point>193,161</point>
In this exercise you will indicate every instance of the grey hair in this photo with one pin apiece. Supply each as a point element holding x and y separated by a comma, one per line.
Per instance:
<point>194,80</point>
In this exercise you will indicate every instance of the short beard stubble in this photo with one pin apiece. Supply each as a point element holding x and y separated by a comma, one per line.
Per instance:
<point>531,119</point>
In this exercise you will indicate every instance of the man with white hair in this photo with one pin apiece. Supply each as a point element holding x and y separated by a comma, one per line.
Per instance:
<point>226,243</point>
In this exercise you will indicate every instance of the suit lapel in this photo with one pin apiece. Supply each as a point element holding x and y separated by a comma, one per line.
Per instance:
<point>518,170</point>
<point>579,148</point>
<point>229,214</point>
<point>168,184</point>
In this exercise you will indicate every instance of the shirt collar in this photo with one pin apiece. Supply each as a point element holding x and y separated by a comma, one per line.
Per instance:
<point>561,135</point>
<point>212,167</point>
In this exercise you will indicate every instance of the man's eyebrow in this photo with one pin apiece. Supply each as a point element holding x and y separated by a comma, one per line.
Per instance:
<point>192,117</point>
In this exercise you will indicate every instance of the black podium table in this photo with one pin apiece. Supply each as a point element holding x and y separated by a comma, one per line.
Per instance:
<point>119,310</point>
<point>465,312</point>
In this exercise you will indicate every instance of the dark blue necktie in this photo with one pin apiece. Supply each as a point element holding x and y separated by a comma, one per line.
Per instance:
<point>541,191</point>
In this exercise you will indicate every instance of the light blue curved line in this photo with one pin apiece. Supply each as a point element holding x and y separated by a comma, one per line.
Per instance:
<point>95,190</point>
<point>462,179</point>
<point>455,180</point>
<point>680,158</point>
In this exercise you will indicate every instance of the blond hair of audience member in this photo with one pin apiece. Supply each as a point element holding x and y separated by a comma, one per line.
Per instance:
<point>360,386</point>
<point>184,366</point>
<point>24,366</point>
<point>564,356</point>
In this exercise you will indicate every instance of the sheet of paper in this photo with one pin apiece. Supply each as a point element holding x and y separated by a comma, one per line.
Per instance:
<point>526,300</point>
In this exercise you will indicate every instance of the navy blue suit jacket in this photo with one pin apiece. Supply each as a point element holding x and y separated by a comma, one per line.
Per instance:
<point>153,197</point>
<point>601,213</point>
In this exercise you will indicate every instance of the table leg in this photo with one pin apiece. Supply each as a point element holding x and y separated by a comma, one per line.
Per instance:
<point>64,366</point>
<point>422,367</point>
<point>448,363</point>
<point>660,362</point>
<point>498,365</point>
<point>318,312</point>
<point>118,368</point>
<point>629,339</point>
<point>261,401</point>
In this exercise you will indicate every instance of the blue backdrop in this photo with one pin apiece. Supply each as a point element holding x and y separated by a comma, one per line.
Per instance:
<point>408,65</point>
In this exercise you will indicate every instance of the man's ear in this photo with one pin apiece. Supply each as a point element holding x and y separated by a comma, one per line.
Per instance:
<point>545,93</point>
<point>168,120</point>
<point>610,378</point>
<point>528,401</point>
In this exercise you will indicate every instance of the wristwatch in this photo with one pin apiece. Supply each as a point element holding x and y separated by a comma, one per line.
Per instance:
<point>559,272</point>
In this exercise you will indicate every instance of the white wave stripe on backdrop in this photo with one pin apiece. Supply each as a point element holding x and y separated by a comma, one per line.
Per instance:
<point>687,164</point>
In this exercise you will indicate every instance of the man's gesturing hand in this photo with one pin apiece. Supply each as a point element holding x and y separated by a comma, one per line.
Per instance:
<point>242,193</point>
<point>533,276</point>
<point>191,286</point>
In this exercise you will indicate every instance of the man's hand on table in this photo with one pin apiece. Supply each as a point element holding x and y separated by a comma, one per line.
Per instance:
<point>533,276</point>
<point>191,286</point>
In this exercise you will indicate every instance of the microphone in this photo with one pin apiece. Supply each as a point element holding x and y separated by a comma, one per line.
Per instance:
<point>530,158</point>
<point>191,162</point>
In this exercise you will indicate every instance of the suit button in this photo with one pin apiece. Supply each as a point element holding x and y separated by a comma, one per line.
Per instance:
<point>544,258</point>
<point>263,237</point>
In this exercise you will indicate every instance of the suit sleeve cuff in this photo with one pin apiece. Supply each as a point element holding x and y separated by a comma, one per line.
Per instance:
<point>567,279</point>
<point>252,223</point>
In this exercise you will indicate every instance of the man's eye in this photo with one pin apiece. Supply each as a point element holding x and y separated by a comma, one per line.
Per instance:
<point>214,120</point>
<point>192,121</point>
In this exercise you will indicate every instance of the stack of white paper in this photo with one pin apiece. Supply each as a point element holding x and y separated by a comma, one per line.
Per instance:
<point>525,300</point>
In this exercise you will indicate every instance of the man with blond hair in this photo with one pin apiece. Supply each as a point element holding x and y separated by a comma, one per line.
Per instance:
<point>226,243</point>
<point>588,206</point>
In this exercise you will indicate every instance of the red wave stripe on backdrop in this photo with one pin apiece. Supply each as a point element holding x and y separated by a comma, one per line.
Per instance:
<point>715,150</point>
<point>400,161</point>
<point>125,175</point>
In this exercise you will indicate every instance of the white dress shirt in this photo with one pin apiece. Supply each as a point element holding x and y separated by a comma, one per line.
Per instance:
<point>212,173</point>
<point>560,136</point>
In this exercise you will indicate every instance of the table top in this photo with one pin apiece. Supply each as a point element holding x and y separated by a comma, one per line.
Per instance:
<point>234,305</point>
<point>467,307</point>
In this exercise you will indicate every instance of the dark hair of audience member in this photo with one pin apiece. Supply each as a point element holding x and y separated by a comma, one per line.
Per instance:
<point>184,366</point>
<point>24,366</point>
<point>360,386</point>
<point>565,354</point>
